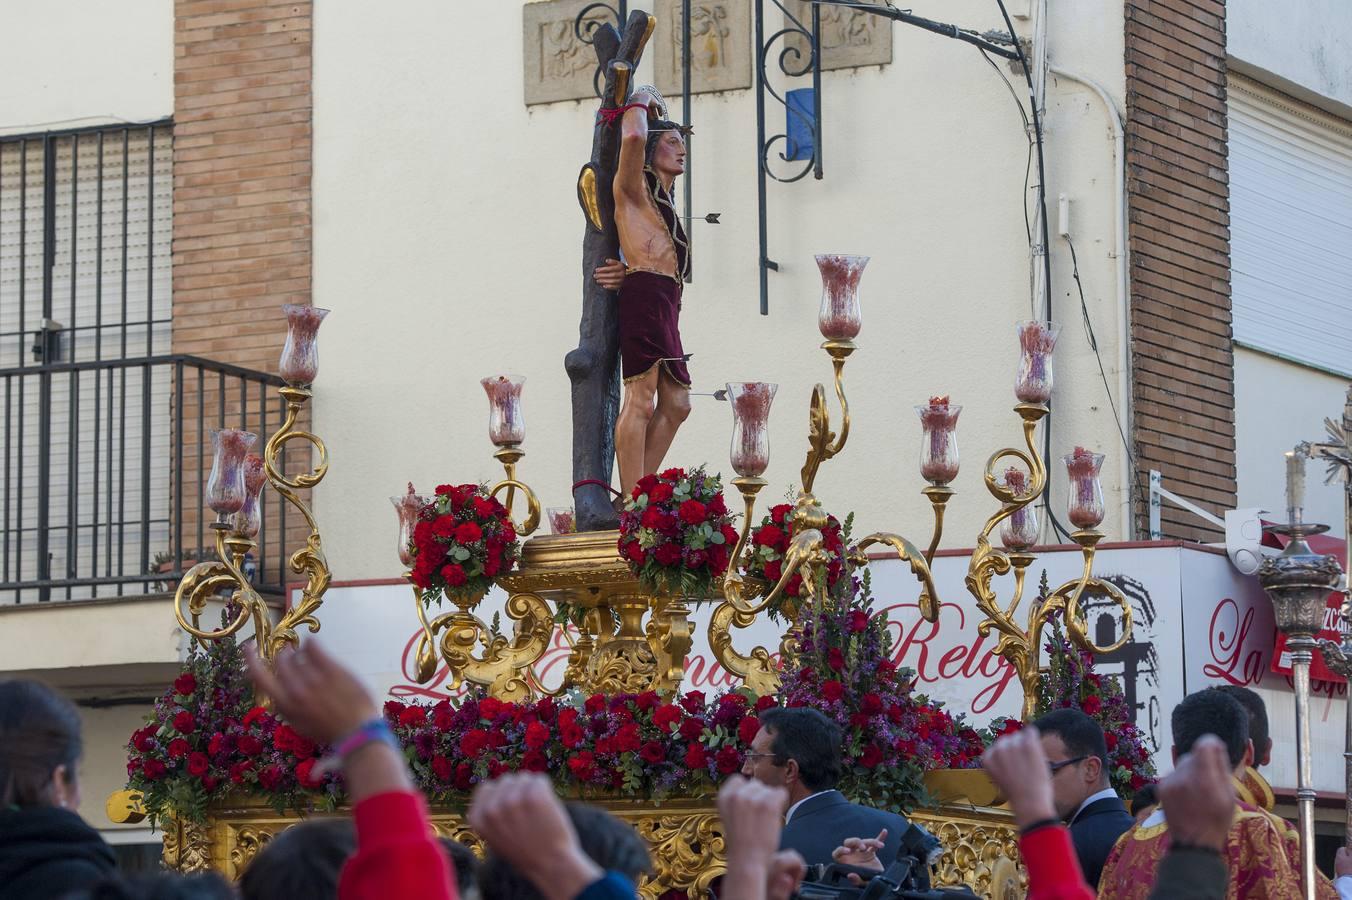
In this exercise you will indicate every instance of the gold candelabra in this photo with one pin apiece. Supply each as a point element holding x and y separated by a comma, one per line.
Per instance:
<point>233,492</point>
<point>808,556</point>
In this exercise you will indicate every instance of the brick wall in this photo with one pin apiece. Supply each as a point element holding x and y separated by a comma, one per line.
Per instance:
<point>1179,230</point>
<point>242,206</point>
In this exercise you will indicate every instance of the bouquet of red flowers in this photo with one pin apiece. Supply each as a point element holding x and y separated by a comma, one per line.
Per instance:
<point>770,540</point>
<point>206,737</point>
<point>463,540</point>
<point>676,533</point>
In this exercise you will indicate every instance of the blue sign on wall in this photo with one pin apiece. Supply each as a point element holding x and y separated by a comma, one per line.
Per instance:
<point>800,126</point>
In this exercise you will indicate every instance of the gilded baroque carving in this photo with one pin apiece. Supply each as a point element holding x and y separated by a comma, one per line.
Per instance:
<point>720,46</point>
<point>187,846</point>
<point>687,853</point>
<point>248,840</point>
<point>850,37</point>
<point>978,854</point>
<point>557,65</point>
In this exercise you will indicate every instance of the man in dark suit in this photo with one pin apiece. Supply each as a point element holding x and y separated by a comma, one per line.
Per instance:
<point>1078,756</point>
<point>799,749</point>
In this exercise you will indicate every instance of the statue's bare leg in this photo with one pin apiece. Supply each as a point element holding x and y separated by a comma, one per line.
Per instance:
<point>673,408</point>
<point>631,428</point>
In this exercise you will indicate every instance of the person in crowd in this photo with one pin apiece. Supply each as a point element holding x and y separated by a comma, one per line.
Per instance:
<point>798,749</point>
<point>1144,801</point>
<point>1342,873</point>
<point>1252,787</point>
<point>46,849</point>
<point>1258,860</point>
<point>466,867</point>
<point>397,854</point>
<point>1084,799</point>
<point>159,886</point>
<point>301,863</point>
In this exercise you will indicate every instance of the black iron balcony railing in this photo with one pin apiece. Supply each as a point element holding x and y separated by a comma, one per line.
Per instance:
<point>104,465</point>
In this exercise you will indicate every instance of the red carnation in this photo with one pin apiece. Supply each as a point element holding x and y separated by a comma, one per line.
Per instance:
<point>647,700</point>
<point>871,757</point>
<point>468,533</point>
<point>198,764</point>
<point>693,702</point>
<point>392,710</point>
<point>660,493</point>
<point>832,690</point>
<point>270,777</point>
<point>871,704</point>
<point>534,761</point>
<point>667,554</point>
<point>444,527</point>
<point>692,512</point>
<point>1111,740</point>
<point>768,536</point>
<point>583,764</point>
<point>673,474</point>
<point>442,767</point>
<point>454,574</point>
<point>209,783</point>
<point>692,728</point>
<point>595,703</point>
<point>729,760</point>
<point>184,722</point>
<point>696,757</point>
<point>634,551</point>
<point>185,684</point>
<point>653,752</point>
<point>474,742</point>
<point>483,508</point>
<point>717,506</point>
<point>747,728</point>
<point>240,771</point>
<point>666,716</point>
<point>858,620</point>
<point>306,776</point>
<point>835,659</point>
<point>153,769</point>
<point>769,701</point>
<point>651,518</point>
<point>645,485</point>
<point>729,535</point>
<point>254,715</point>
<point>571,735</point>
<point>178,748</point>
<point>249,745</point>
<point>1091,705</point>
<point>412,715</point>
<point>773,570</point>
<point>490,708</point>
<point>537,735</point>
<point>779,513</point>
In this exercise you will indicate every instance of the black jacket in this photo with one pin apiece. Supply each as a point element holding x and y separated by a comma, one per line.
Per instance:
<point>823,823</point>
<point>1094,832</point>
<point>46,853</point>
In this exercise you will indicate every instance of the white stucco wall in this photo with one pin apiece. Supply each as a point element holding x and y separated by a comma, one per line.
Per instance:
<point>1305,44</point>
<point>73,63</point>
<point>447,240</point>
<point>1277,404</point>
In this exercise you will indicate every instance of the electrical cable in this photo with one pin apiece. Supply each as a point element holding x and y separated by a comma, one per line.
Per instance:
<point>1046,245</point>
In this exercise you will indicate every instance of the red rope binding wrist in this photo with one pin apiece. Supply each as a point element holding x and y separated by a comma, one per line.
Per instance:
<point>609,116</point>
<point>596,482</point>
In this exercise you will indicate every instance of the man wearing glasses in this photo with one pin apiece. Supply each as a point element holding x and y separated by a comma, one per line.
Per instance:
<point>1078,757</point>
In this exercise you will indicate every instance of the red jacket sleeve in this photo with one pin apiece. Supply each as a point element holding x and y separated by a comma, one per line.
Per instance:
<point>397,853</point>
<point>1053,870</point>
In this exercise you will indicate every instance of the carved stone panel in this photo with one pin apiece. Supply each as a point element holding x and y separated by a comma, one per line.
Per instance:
<point>557,64</point>
<point>850,37</point>
<point>720,46</point>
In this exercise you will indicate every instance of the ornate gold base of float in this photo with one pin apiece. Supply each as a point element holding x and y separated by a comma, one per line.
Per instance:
<point>683,835</point>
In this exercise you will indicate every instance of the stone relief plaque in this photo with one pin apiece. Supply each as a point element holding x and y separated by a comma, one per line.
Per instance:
<point>850,37</point>
<point>557,65</point>
<point>720,46</point>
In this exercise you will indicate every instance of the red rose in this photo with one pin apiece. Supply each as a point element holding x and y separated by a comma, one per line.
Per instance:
<point>696,757</point>
<point>1091,705</point>
<point>718,506</point>
<point>209,783</point>
<point>835,659</point>
<point>660,493</point>
<point>773,570</point>
<point>490,708</point>
<point>198,764</point>
<point>453,574</point>
<point>178,748</point>
<point>284,738</point>
<point>240,771</point>
<point>728,760</point>
<point>767,536</point>
<point>583,764</point>
<point>306,776</point>
<point>595,703</point>
<point>769,701</point>
<point>571,735</point>
<point>692,512</point>
<point>185,684</point>
<point>666,716</point>
<point>832,690</point>
<point>468,533</point>
<point>653,752</point>
<point>652,518</point>
<point>858,620</point>
<point>747,728</point>
<point>249,745</point>
<point>667,554</point>
<point>270,777</point>
<point>645,485</point>
<point>634,552</point>
<point>693,702</point>
<point>255,714</point>
<point>412,715</point>
<point>443,768</point>
<point>1110,739</point>
<point>537,735</point>
<point>534,761</point>
<point>184,722</point>
<point>392,708</point>
<point>647,700</point>
<point>871,704</point>
<point>692,728</point>
<point>474,742</point>
<point>141,739</point>
<point>871,757</point>
<point>153,769</point>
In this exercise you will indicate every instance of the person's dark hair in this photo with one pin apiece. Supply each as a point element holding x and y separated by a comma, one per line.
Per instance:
<point>1082,735</point>
<point>301,863</point>
<point>810,738</point>
<point>39,731</point>
<point>1211,712</point>
<point>160,886</point>
<point>612,844</point>
<point>1257,710</point>
<point>1145,797</point>
<point>656,128</point>
<point>466,867</point>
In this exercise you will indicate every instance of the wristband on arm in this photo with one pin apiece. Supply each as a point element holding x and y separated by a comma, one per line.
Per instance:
<point>374,731</point>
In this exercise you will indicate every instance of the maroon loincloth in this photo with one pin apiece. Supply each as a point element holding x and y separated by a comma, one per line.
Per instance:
<point>650,306</point>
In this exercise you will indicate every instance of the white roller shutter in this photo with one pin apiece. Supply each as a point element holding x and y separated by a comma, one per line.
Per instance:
<point>1290,228</point>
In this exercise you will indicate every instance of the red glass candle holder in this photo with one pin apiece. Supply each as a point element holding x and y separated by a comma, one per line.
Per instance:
<point>561,520</point>
<point>750,449</point>
<point>407,506</point>
<point>1019,531</point>
<point>506,425</point>
<point>300,357</point>
<point>249,519</point>
<point>1086,494</point>
<point>1037,341</point>
<point>839,318</point>
<point>939,441</point>
<point>225,486</point>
